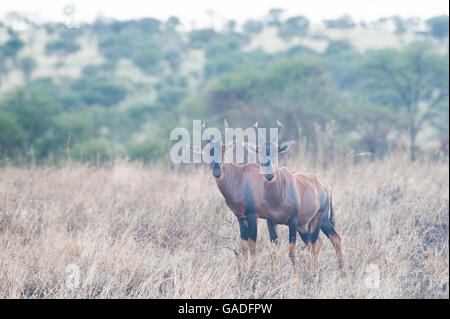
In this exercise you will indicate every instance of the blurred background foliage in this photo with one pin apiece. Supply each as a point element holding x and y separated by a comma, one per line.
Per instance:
<point>117,88</point>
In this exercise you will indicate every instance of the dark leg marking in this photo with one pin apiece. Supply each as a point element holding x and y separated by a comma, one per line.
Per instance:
<point>314,227</point>
<point>272,231</point>
<point>292,223</point>
<point>252,222</point>
<point>252,226</point>
<point>327,220</point>
<point>305,237</point>
<point>293,220</point>
<point>250,213</point>
<point>243,228</point>
<point>273,244</point>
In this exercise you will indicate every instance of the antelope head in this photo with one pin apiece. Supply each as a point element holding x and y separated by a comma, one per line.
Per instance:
<point>216,149</point>
<point>268,151</point>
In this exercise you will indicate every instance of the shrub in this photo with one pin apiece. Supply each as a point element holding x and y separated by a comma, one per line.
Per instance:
<point>12,136</point>
<point>253,26</point>
<point>201,38</point>
<point>62,47</point>
<point>146,151</point>
<point>97,150</point>
<point>99,91</point>
<point>11,47</point>
<point>148,58</point>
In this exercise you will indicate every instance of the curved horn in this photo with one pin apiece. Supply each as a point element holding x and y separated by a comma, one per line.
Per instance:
<point>280,126</point>
<point>255,127</point>
<point>261,139</point>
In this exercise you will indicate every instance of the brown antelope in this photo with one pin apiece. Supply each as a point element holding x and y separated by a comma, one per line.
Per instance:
<point>301,201</point>
<point>242,187</point>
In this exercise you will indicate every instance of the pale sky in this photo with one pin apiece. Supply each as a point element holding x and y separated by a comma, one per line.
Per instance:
<point>239,10</point>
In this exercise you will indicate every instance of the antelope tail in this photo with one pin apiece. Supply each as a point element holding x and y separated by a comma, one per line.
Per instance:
<point>332,221</point>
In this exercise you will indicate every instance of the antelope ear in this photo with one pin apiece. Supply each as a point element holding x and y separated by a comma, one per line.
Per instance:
<point>284,147</point>
<point>251,147</point>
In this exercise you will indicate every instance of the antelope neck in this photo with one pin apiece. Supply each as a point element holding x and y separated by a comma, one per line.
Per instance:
<point>273,188</point>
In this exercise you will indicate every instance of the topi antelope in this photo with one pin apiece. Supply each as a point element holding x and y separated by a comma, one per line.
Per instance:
<point>242,187</point>
<point>300,201</point>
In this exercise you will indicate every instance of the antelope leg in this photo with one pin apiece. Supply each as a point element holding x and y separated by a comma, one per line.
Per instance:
<point>315,247</point>
<point>243,228</point>
<point>252,234</point>
<point>292,250</point>
<point>336,241</point>
<point>273,243</point>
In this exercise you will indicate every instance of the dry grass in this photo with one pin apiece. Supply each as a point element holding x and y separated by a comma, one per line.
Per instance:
<point>144,232</point>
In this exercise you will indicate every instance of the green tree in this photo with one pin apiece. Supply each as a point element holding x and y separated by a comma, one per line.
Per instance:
<point>231,26</point>
<point>174,59</point>
<point>99,90</point>
<point>339,47</point>
<point>294,27</point>
<point>253,26</point>
<point>12,136</point>
<point>8,52</point>
<point>115,47</point>
<point>400,25</point>
<point>147,59</point>
<point>148,25</point>
<point>61,48</point>
<point>222,47</point>
<point>275,17</point>
<point>106,69</point>
<point>416,82</point>
<point>438,26</point>
<point>371,123</point>
<point>172,23</point>
<point>298,92</point>
<point>11,47</point>
<point>3,68</point>
<point>27,65</point>
<point>34,113</point>
<point>170,97</point>
<point>221,65</point>
<point>202,38</point>
<point>344,22</point>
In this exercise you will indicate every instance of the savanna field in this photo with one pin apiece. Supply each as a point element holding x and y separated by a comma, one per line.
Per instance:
<point>129,230</point>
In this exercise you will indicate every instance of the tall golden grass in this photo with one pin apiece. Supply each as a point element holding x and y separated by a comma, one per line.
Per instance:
<point>128,230</point>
